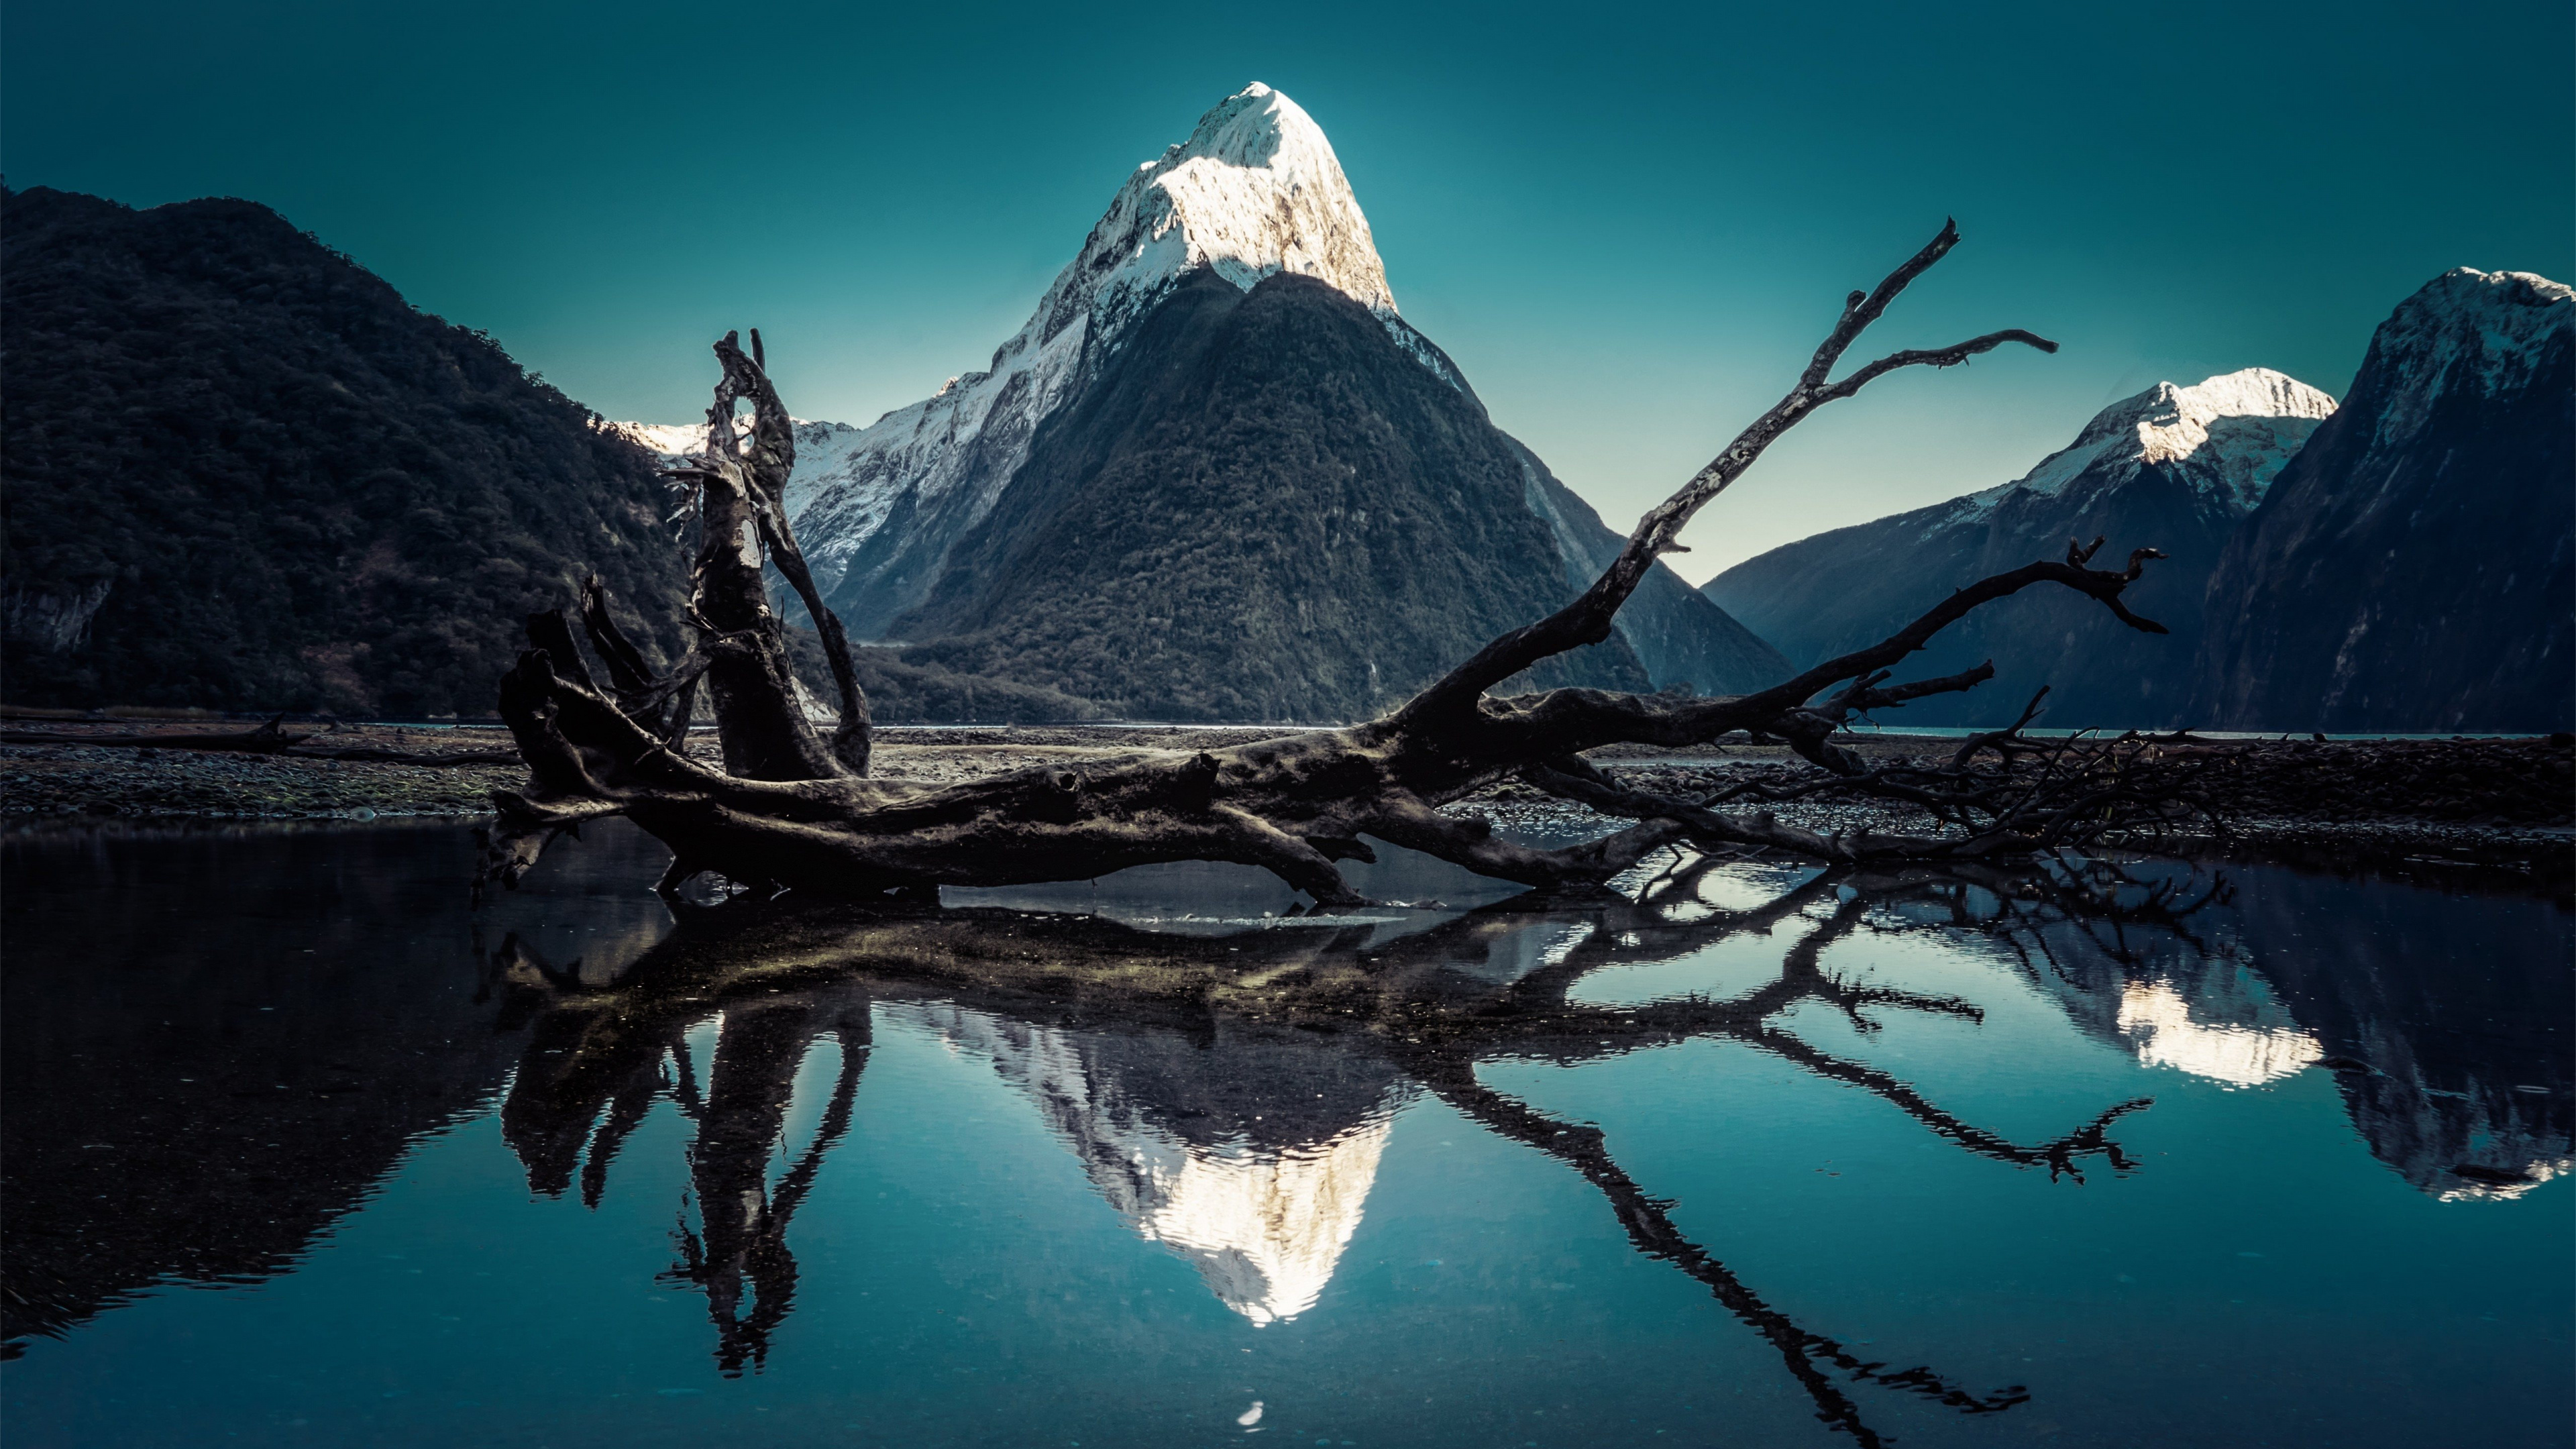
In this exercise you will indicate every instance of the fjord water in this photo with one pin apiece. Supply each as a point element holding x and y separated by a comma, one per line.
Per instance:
<point>303,1149</point>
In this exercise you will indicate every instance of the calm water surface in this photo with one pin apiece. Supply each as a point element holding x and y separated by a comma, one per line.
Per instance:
<point>301,1149</point>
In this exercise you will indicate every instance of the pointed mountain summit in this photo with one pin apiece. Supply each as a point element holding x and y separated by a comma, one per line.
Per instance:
<point>2412,568</point>
<point>1255,190</point>
<point>2176,467</point>
<point>1216,475</point>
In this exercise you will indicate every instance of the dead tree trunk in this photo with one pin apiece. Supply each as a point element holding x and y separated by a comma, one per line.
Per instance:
<point>741,498</point>
<point>781,814</point>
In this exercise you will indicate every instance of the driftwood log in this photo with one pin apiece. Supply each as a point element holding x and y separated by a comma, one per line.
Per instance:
<point>792,809</point>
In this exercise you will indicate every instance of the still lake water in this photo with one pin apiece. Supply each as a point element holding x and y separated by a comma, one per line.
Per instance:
<point>301,1149</point>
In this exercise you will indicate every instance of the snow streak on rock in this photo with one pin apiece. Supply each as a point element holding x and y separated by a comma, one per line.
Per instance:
<point>2465,331</point>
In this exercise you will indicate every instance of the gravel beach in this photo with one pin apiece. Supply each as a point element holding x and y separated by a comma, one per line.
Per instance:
<point>2497,802</point>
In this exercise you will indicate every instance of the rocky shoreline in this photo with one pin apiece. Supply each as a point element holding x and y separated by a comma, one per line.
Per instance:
<point>2439,804</point>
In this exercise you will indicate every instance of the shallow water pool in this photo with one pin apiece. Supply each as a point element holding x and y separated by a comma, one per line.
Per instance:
<point>301,1148</point>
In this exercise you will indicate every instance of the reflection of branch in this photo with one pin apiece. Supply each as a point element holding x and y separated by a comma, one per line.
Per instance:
<point>2058,1155</point>
<point>626,1112</point>
<point>1650,1227</point>
<point>1801,978</point>
<point>1747,1020</point>
<point>791,1190</point>
<point>1429,999</point>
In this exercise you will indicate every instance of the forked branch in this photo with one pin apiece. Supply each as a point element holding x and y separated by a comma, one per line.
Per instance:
<point>1588,619</point>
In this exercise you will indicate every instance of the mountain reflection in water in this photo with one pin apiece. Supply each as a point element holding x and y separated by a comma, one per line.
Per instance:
<point>1230,1094</point>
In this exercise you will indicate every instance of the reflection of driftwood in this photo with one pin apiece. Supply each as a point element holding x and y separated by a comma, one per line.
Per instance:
<point>1407,1002</point>
<point>587,1054</point>
<point>1650,1227</point>
<point>788,810</point>
<point>742,1236</point>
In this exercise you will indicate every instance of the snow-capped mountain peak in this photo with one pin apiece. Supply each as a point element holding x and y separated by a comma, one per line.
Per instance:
<point>2172,423</point>
<point>2228,435</point>
<point>674,441</point>
<point>822,451</point>
<point>1255,190</point>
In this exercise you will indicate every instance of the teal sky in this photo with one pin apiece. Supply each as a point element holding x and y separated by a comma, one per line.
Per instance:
<point>1629,225</point>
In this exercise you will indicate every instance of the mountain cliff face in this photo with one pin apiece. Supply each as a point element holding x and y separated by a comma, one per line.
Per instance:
<point>1264,510</point>
<point>241,472</point>
<point>2411,568</point>
<point>1255,190</point>
<point>922,525</point>
<point>2175,468</point>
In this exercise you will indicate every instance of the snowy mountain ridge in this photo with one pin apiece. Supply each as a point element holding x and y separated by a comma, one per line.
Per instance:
<point>2466,329</point>
<point>823,451</point>
<point>2227,436</point>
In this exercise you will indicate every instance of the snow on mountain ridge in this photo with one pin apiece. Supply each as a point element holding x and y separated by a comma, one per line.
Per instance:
<point>2494,325</point>
<point>1256,189</point>
<point>823,451</point>
<point>2228,435</point>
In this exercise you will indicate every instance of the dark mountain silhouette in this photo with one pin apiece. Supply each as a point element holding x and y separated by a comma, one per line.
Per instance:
<point>951,522</point>
<point>241,472</point>
<point>2175,468</point>
<point>2411,568</point>
<point>1266,508</point>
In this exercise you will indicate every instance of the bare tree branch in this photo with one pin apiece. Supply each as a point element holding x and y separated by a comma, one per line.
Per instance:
<point>1588,619</point>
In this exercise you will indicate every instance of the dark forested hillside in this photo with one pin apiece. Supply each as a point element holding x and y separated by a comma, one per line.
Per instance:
<point>241,472</point>
<point>1264,510</point>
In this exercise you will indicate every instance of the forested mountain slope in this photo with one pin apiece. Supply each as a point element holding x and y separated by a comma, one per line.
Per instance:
<point>238,471</point>
<point>1265,509</point>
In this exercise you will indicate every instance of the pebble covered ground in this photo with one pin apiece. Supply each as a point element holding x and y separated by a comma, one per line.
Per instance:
<point>47,781</point>
<point>69,780</point>
<point>2507,801</point>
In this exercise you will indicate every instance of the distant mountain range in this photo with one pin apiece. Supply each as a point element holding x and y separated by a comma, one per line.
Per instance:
<point>2178,468</point>
<point>1217,476</point>
<point>2399,563</point>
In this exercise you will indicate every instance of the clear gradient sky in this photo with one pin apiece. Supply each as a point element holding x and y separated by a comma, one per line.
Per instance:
<point>1628,224</point>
